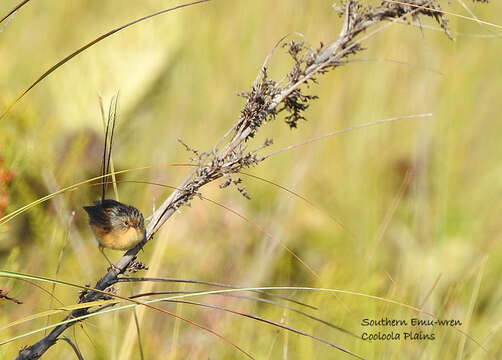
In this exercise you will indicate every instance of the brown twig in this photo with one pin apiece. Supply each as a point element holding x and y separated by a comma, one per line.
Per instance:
<point>3,295</point>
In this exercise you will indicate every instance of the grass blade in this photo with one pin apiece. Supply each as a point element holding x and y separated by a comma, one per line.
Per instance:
<point>88,45</point>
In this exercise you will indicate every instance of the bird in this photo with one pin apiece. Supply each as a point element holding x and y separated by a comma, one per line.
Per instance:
<point>115,225</point>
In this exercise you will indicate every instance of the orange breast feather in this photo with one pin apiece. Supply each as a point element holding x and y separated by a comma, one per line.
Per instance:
<point>118,240</point>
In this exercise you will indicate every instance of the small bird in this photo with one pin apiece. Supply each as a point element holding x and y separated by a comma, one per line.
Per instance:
<point>116,226</point>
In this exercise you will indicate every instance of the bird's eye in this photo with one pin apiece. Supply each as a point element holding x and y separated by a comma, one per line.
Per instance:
<point>126,223</point>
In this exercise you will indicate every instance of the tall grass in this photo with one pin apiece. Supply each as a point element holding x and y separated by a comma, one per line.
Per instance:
<point>420,196</point>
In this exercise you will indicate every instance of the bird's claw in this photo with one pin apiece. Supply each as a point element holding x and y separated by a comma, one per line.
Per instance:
<point>115,269</point>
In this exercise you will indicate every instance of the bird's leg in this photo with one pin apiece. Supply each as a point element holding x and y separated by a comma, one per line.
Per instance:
<point>115,269</point>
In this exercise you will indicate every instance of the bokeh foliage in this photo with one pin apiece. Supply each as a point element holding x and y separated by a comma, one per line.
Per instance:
<point>178,76</point>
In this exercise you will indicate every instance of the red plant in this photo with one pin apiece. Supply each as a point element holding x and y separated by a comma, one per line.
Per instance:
<point>6,177</point>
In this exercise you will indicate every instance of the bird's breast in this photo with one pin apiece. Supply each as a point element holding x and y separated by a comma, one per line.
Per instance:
<point>121,240</point>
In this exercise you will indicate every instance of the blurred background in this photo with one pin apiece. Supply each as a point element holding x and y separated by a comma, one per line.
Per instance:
<point>421,197</point>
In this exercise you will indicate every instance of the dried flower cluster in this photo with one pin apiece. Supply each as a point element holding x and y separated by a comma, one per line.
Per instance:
<point>267,98</point>
<point>135,267</point>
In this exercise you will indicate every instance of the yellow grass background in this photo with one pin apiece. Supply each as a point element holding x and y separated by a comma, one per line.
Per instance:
<point>422,197</point>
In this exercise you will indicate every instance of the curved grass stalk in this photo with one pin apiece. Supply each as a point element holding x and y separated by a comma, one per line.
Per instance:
<point>16,8</point>
<point>346,130</point>
<point>258,299</point>
<point>88,45</point>
<point>312,204</point>
<point>203,327</point>
<point>261,229</point>
<point>45,198</point>
<point>211,283</point>
<point>270,322</point>
<point>102,304</point>
<point>268,234</point>
<point>58,310</point>
<point>211,292</point>
<point>147,303</point>
<point>73,346</point>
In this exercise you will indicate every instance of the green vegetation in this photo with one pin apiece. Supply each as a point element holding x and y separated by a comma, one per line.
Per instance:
<point>420,197</point>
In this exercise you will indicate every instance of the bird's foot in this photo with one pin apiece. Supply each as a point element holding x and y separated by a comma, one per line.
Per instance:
<point>115,269</point>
